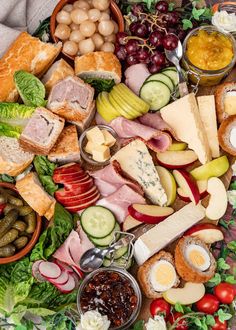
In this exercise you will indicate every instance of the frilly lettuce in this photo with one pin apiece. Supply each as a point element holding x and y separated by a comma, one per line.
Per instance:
<point>30,88</point>
<point>45,170</point>
<point>9,130</point>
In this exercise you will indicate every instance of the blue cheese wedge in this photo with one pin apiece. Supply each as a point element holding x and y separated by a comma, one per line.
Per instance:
<point>167,231</point>
<point>136,161</point>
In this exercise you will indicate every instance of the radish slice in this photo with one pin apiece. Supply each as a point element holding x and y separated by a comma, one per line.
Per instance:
<point>77,281</point>
<point>35,271</point>
<point>63,266</point>
<point>62,279</point>
<point>68,286</point>
<point>49,270</point>
<point>78,271</point>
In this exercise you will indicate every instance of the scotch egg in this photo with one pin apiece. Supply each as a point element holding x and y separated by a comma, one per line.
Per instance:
<point>162,275</point>
<point>198,257</point>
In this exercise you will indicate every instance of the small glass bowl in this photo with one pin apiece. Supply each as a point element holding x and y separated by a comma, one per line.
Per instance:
<point>134,284</point>
<point>207,77</point>
<point>83,141</point>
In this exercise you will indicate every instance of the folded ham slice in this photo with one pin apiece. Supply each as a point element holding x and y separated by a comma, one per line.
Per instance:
<point>73,248</point>
<point>156,140</point>
<point>135,76</point>
<point>119,201</point>
<point>111,178</point>
<point>155,120</point>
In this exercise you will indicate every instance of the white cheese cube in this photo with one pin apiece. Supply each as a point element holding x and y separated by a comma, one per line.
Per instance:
<point>89,147</point>
<point>101,153</point>
<point>109,138</point>
<point>95,135</point>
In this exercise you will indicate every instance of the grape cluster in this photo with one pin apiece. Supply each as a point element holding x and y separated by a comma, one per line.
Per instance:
<point>150,34</point>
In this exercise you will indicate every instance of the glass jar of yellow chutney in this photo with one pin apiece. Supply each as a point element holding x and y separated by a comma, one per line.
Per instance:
<point>209,55</point>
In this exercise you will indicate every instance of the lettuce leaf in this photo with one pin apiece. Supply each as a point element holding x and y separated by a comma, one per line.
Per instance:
<point>100,85</point>
<point>14,113</point>
<point>45,170</point>
<point>54,236</point>
<point>10,131</point>
<point>30,88</point>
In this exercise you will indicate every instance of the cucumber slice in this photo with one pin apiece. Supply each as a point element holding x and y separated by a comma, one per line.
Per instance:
<point>97,221</point>
<point>156,93</point>
<point>121,262</point>
<point>163,78</point>
<point>120,252</point>
<point>172,74</point>
<point>105,241</point>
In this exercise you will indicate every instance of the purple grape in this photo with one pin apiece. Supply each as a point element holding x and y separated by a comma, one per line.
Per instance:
<point>172,18</point>
<point>153,68</point>
<point>120,38</point>
<point>136,9</point>
<point>158,58</point>
<point>132,46</point>
<point>170,41</point>
<point>156,38</point>
<point>120,52</point>
<point>162,6</point>
<point>132,59</point>
<point>140,30</point>
<point>143,56</point>
<point>181,34</point>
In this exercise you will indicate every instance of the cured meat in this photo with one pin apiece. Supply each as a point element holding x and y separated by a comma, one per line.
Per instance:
<point>99,120</point>
<point>135,76</point>
<point>111,178</point>
<point>73,248</point>
<point>119,201</point>
<point>156,140</point>
<point>155,120</point>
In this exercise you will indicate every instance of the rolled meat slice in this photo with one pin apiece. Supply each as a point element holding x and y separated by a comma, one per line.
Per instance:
<point>135,76</point>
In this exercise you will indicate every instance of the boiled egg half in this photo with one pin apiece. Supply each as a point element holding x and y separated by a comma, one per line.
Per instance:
<point>162,276</point>
<point>198,257</point>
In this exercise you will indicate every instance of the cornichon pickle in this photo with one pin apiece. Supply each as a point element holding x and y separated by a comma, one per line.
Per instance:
<point>19,225</point>
<point>31,221</point>
<point>20,242</point>
<point>7,251</point>
<point>24,210</point>
<point>14,200</point>
<point>9,207</point>
<point>7,222</point>
<point>9,237</point>
<point>3,199</point>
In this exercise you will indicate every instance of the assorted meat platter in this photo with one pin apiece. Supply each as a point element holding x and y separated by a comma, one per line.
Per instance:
<point>115,166</point>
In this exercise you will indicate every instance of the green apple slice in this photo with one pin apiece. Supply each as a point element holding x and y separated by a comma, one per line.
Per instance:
<point>216,168</point>
<point>124,104</point>
<point>177,146</point>
<point>119,108</point>
<point>104,107</point>
<point>168,183</point>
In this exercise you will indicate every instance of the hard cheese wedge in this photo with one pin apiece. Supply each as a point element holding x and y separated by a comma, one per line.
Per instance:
<point>136,161</point>
<point>183,116</point>
<point>167,231</point>
<point>207,112</point>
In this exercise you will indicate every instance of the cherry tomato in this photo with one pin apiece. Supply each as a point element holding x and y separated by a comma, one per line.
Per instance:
<point>219,325</point>
<point>209,304</point>
<point>225,292</point>
<point>2,207</point>
<point>182,324</point>
<point>160,306</point>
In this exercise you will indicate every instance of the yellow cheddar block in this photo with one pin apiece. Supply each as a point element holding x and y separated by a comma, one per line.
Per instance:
<point>101,153</point>
<point>109,138</point>
<point>95,136</point>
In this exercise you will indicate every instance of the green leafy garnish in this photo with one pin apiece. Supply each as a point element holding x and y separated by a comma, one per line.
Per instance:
<point>171,6</point>
<point>187,24</point>
<point>100,85</point>
<point>232,246</point>
<point>30,88</point>
<point>197,13</point>
<point>45,170</point>
<point>223,316</point>
<point>222,265</point>
<point>9,130</point>
<point>6,178</point>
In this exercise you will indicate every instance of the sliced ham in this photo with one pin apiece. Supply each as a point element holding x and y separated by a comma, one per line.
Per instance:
<point>155,139</point>
<point>155,120</point>
<point>111,178</point>
<point>135,76</point>
<point>99,120</point>
<point>73,248</point>
<point>119,201</point>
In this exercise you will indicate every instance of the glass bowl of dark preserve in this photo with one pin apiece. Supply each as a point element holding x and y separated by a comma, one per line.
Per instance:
<point>112,292</point>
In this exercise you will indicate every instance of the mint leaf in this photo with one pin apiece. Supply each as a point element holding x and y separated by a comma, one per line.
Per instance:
<point>223,316</point>
<point>232,246</point>
<point>197,13</point>
<point>215,280</point>
<point>171,6</point>
<point>222,265</point>
<point>230,279</point>
<point>197,322</point>
<point>210,320</point>
<point>179,308</point>
<point>208,13</point>
<point>187,24</point>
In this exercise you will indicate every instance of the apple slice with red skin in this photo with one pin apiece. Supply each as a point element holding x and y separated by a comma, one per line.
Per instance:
<point>79,201</point>
<point>60,178</point>
<point>149,213</point>
<point>68,168</point>
<point>176,159</point>
<point>74,209</point>
<point>188,184</point>
<point>62,195</point>
<point>207,232</point>
<point>75,181</point>
<point>202,186</point>
<point>130,223</point>
<point>73,186</point>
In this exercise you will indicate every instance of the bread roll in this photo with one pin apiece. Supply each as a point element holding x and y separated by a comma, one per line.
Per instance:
<point>227,135</point>
<point>25,53</point>
<point>220,94</point>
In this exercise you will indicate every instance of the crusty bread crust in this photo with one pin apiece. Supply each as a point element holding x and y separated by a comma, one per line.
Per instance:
<point>62,70</point>
<point>143,274</point>
<point>185,269</point>
<point>25,53</point>
<point>99,62</point>
<point>14,169</point>
<point>224,134</point>
<point>220,92</point>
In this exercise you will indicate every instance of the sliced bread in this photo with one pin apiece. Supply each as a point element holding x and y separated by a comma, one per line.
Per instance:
<point>41,132</point>
<point>227,135</point>
<point>13,159</point>
<point>102,65</point>
<point>66,149</point>
<point>145,273</point>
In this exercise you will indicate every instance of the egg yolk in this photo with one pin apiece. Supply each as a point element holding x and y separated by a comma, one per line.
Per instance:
<point>164,274</point>
<point>196,258</point>
<point>210,51</point>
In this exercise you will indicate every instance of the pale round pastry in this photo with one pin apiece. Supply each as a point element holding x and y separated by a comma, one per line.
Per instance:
<point>87,28</point>
<point>62,31</point>
<point>86,46</point>
<point>70,47</point>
